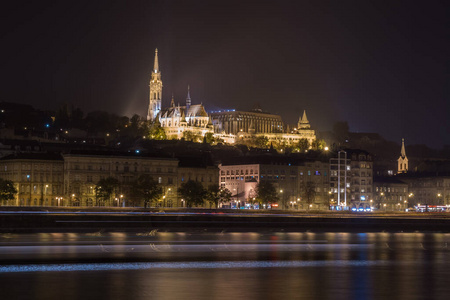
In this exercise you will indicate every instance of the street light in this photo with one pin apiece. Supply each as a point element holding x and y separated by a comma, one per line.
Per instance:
<point>282,200</point>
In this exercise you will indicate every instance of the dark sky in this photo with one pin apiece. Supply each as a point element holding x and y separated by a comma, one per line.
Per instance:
<point>383,66</point>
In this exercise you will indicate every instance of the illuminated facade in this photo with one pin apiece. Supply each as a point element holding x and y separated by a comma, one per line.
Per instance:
<point>247,125</point>
<point>176,119</point>
<point>38,178</point>
<point>256,121</point>
<point>300,185</point>
<point>155,96</point>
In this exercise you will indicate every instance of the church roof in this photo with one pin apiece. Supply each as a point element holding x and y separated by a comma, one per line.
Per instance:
<point>196,110</point>
<point>402,151</point>
<point>304,119</point>
<point>156,65</point>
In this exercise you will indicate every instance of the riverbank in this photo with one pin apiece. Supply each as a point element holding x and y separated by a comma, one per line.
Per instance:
<point>173,220</point>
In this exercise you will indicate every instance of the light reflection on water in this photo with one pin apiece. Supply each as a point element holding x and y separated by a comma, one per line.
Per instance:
<point>184,265</point>
<point>253,265</point>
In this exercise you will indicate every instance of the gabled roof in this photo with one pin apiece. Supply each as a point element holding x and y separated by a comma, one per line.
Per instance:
<point>196,110</point>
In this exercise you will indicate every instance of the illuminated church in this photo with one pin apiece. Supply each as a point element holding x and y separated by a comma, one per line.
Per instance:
<point>176,119</point>
<point>228,126</point>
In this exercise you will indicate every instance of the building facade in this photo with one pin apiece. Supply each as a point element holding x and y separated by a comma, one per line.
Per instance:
<point>38,178</point>
<point>299,185</point>
<point>427,189</point>
<point>351,179</point>
<point>390,194</point>
<point>256,121</point>
<point>83,171</point>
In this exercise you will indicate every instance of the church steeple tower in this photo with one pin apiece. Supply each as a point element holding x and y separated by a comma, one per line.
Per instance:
<point>155,91</point>
<point>188,99</point>
<point>303,122</point>
<point>402,160</point>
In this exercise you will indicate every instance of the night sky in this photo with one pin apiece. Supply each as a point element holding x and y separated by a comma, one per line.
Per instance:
<point>383,66</point>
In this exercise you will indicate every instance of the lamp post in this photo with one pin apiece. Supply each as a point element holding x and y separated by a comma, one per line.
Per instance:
<point>410,197</point>
<point>121,200</point>
<point>58,201</point>
<point>282,202</point>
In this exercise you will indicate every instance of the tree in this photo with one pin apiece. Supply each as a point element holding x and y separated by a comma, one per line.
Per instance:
<point>193,193</point>
<point>156,132</point>
<point>147,188</point>
<point>266,192</point>
<point>7,190</point>
<point>302,145</point>
<point>309,192</point>
<point>105,189</point>
<point>261,141</point>
<point>191,136</point>
<point>209,138</point>
<point>216,195</point>
<point>318,144</point>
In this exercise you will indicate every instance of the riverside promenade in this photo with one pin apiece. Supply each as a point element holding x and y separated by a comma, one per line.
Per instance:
<point>41,219</point>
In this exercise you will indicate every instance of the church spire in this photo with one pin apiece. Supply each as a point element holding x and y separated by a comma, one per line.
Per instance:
<point>303,122</point>
<point>155,85</point>
<point>304,118</point>
<point>402,160</point>
<point>188,98</point>
<point>156,65</point>
<point>172,103</point>
<point>403,152</point>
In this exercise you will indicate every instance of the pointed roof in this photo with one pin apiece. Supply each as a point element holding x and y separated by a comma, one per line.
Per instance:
<point>156,65</point>
<point>304,118</point>
<point>189,93</point>
<point>403,152</point>
<point>172,103</point>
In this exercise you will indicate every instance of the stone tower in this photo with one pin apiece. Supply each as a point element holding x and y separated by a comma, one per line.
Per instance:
<point>154,106</point>
<point>188,99</point>
<point>303,122</point>
<point>402,160</point>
